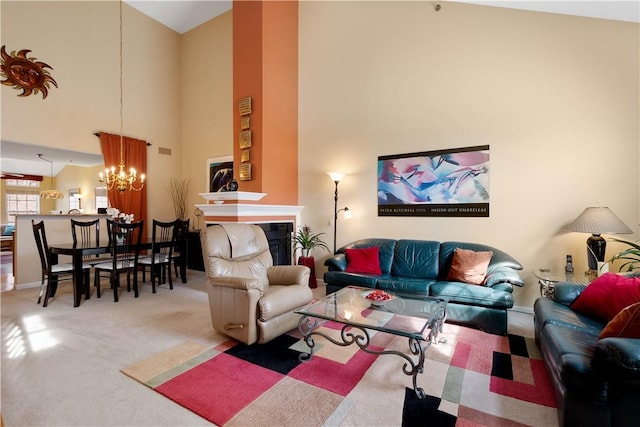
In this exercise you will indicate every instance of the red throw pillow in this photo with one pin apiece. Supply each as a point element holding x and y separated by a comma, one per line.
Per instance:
<point>469,266</point>
<point>607,296</point>
<point>363,260</point>
<point>626,324</point>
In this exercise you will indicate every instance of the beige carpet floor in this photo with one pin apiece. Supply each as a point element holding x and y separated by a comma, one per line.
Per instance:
<point>61,365</point>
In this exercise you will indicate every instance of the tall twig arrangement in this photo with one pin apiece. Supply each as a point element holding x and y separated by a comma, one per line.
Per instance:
<point>179,191</point>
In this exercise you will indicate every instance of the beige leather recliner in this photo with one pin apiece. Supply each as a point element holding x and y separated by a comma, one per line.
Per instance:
<point>250,299</point>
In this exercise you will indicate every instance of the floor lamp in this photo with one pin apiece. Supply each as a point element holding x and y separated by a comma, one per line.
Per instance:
<point>336,177</point>
<point>597,221</point>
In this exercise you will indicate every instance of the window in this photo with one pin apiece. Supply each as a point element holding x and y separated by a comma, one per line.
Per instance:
<point>21,203</point>
<point>22,183</point>
<point>22,197</point>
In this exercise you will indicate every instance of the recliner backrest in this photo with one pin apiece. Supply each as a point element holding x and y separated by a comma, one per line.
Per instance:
<point>236,250</point>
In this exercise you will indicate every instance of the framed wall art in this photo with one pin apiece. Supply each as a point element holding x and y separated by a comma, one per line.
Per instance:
<point>445,183</point>
<point>245,122</point>
<point>244,106</point>
<point>219,173</point>
<point>245,139</point>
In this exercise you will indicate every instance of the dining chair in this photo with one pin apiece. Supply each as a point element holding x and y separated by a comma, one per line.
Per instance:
<point>87,234</point>
<point>52,272</point>
<point>125,255</point>
<point>180,249</point>
<point>163,240</point>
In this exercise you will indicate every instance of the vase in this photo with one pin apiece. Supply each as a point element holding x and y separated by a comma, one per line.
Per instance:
<point>306,252</point>
<point>232,185</point>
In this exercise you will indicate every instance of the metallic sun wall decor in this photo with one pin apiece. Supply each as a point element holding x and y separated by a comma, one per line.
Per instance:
<point>25,73</point>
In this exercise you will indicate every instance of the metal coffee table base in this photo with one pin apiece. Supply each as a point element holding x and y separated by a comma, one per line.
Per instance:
<point>351,334</point>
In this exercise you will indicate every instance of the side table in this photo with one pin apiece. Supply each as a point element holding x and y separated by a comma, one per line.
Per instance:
<point>194,251</point>
<point>309,261</point>
<point>547,279</point>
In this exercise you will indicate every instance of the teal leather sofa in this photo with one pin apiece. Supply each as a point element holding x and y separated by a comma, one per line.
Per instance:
<point>422,266</point>
<point>596,381</point>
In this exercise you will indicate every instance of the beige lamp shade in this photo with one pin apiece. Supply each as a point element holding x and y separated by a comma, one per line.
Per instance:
<point>598,220</point>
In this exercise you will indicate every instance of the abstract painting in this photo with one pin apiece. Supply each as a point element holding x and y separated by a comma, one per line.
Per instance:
<point>451,182</point>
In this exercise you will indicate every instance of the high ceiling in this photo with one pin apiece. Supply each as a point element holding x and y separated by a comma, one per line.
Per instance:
<point>181,16</point>
<point>184,15</point>
<point>23,159</point>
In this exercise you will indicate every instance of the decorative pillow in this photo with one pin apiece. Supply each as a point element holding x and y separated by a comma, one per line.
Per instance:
<point>363,260</point>
<point>607,296</point>
<point>626,324</point>
<point>469,266</point>
<point>8,229</point>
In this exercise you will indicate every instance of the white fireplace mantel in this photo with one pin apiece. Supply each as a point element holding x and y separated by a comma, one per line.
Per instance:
<point>237,210</point>
<point>222,196</point>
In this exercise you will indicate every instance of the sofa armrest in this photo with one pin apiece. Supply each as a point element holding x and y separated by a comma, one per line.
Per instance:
<point>567,292</point>
<point>618,360</point>
<point>288,275</point>
<point>245,283</point>
<point>337,262</point>
<point>503,275</point>
<point>501,259</point>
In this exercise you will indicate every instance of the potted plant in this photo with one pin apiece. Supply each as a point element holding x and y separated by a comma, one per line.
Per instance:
<point>629,257</point>
<point>305,240</point>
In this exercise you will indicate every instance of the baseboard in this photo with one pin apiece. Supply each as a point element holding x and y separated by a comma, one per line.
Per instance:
<point>27,285</point>
<point>522,309</point>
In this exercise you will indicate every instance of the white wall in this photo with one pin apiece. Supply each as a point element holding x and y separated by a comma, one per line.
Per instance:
<point>80,41</point>
<point>207,99</point>
<point>555,97</point>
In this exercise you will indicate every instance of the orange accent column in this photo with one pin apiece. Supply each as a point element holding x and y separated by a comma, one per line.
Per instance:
<point>265,67</point>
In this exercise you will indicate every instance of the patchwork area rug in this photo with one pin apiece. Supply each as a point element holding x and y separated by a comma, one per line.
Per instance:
<point>472,379</point>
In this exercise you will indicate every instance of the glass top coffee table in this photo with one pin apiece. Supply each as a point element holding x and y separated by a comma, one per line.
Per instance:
<point>415,316</point>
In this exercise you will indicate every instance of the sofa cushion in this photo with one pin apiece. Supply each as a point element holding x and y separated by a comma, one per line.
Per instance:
<point>570,352</point>
<point>469,266</point>
<point>547,311</point>
<point>416,258</point>
<point>386,248</point>
<point>471,295</point>
<point>363,260</point>
<point>341,279</point>
<point>607,296</point>
<point>405,284</point>
<point>626,324</point>
<point>499,260</point>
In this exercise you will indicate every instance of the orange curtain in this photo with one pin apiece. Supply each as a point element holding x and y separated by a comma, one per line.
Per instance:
<point>135,156</point>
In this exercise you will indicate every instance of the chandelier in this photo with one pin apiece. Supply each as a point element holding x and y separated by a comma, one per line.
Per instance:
<point>121,181</point>
<point>50,193</point>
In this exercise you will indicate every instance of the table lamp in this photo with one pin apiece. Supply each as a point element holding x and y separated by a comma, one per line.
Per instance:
<point>597,220</point>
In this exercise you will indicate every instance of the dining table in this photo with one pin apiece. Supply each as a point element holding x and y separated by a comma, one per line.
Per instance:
<point>78,252</point>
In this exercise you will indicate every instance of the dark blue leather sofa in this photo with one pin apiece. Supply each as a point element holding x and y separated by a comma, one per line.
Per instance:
<point>421,266</point>
<point>597,381</point>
